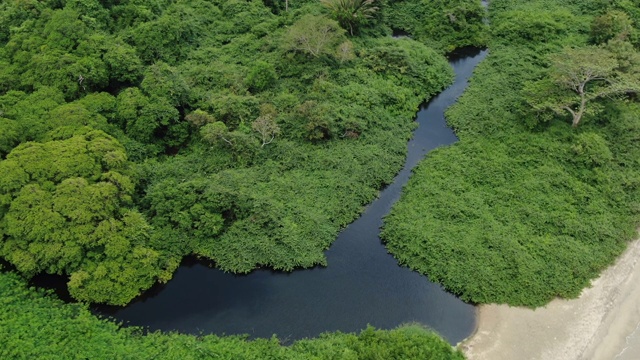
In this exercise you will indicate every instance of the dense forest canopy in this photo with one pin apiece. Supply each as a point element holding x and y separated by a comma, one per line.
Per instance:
<point>134,133</point>
<point>543,190</point>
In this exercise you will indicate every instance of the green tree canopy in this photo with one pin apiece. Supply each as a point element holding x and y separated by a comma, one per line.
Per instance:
<point>66,208</point>
<point>578,76</point>
<point>351,14</point>
<point>314,35</point>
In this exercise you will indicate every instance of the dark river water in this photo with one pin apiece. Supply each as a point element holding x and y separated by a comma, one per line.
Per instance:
<point>361,285</point>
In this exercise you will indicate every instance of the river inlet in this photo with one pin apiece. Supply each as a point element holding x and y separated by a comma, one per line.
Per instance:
<point>361,285</point>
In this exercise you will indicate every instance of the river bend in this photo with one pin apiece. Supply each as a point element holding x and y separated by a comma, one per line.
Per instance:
<point>361,285</point>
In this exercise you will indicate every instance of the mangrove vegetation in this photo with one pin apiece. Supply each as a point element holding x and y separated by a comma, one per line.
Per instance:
<point>249,132</point>
<point>543,190</point>
<point>134,133</point>
<point>36,326</point>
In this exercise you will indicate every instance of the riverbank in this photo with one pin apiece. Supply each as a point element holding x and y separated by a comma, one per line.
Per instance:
<point>601,324</point>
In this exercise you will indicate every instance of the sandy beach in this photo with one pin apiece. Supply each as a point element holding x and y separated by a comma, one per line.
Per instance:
<point>603,323</point>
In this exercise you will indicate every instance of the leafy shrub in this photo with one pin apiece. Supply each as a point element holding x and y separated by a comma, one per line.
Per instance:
<point>66,208</point>
<point>614,24</point>
<point>261,75</point>
<point>314,35</point>
<point>545,26</point>
<point>351,14</point>
<point>441,24</point>
<point>592,150</point>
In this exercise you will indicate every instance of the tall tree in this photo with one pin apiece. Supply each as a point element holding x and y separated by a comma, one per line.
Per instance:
<point>314,35</point>
<point>578,76</point>
<point>351,13</point>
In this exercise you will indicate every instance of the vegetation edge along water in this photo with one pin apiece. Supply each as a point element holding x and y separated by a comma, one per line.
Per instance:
<point>36,326</point>
<point>542,191</point>
<point>134,133</point>
<point>526,207</point>
<point>249,139</point>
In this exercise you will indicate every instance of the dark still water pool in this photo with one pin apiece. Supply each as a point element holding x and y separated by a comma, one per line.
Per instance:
<point>361,285</point>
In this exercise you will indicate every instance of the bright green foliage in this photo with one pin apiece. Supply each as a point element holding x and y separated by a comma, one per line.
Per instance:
<point>193,91</point>
<point>162,81</point>
<point>406,342</point>
<point>100,103</point>
<point>37,326</point>
<point>632,9</point>
<point>9,135</point>
<point>122,62</point>
<point>524,208</point>
<point>282,204</point>
<point>142,117</point>
<point>210,83</point>
<point>521,211</point>
<point>168,37</point>
<point>261,76</point>
<point>65,29</point>
<point>75,115</point>
<point>265,126</point>
<point>351,14</point>
<point>66,49</point>
<point>518,24</point>
<point>14,13</point>
<point>390,57</point>
<point>242,145</point>
<point>31,112</point>
<point>442,24</point>
<point>592,150</point>
<point>234,110</point>
<point>214,132</point>
<point>66,209</point>
<point>577,77</point>
<point>199,118</point>
<point>495,225</point>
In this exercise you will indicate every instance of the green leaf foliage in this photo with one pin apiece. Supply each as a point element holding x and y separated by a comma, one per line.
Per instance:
<point>9,135</point>
<point>521,210</point>
<point>239,134</point>
<point>351,14</point>
<point>314,36</point>
<point>66,207</point>
<point>35,325</point>
<point>261,76</point>
<point>442,24</point>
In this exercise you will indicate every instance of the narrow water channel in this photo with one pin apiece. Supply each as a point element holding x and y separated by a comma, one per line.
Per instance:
<point>361,285</point>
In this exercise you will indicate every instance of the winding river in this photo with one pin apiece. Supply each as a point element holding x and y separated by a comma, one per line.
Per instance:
<point>361,285</point>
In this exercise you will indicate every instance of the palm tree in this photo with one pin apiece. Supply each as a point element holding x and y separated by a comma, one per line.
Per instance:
<point>350,13</point>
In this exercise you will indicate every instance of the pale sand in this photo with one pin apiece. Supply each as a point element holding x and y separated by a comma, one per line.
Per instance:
<point>603,323</point>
